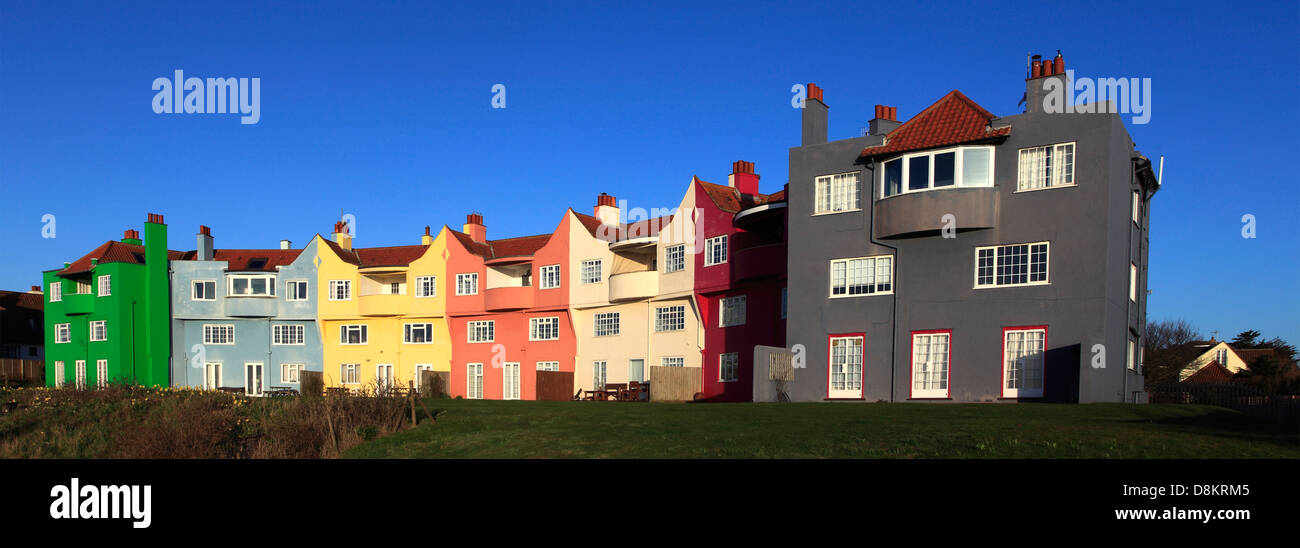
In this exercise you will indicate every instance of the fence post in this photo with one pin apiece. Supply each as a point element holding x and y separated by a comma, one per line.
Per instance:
<point>410,399</point>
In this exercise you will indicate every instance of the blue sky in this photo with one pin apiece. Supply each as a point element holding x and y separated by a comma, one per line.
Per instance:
<point>384,113</point>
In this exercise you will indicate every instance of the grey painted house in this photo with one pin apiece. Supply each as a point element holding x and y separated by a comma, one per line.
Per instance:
<point>962,256</point>
<point>243,318</point>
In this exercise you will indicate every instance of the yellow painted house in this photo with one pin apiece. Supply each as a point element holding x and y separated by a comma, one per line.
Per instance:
<point>1221,353</point>
<point>381,311</point>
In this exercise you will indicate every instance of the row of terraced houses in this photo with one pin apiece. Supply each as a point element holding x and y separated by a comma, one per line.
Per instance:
<point>957,256</point>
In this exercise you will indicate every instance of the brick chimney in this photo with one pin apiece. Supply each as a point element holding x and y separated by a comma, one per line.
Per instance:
<point>1043,77</point>
<point>131,236</point>
<point>743,178</point>
<point>342,235</point>
<point>204,251</point>
<point>426,239</point>
<point>475,228</point>
<point>814,117</point>
<point>885,121</point>
<point>607,209</point>
<point>36,289</point>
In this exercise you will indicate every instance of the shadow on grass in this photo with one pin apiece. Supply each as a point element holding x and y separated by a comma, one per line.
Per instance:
<point>1229,424</point>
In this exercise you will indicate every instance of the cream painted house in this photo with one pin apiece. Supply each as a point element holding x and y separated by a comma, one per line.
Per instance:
<point>1225,355</point>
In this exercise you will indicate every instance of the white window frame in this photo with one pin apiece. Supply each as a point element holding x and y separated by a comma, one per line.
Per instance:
<point>674,258</point>
<point>599,374</point>
<point>729,367</point>
<point>56,291</point>
<point>426,287</point>
<point>62,333</point>
<point>101,373</point>
<point>385,376</point>
<point>294,294</point>
<point>847,392</point>
<point>349,373</point>
<point>409,329</point>
<point>60,375</point>
<point>712,255</point>
<point>931,373</point>
<point>219,334</point>
<point>549,277</point>
<point>1130,358</point>
<point>874,276</point>
<point>673,361</point>
<point>548,366</point>
<point>589,267</point>
<point>475,331</point>
<point>340,290</point>
<point>1132,282</point>
<point>363,334</point>
<point>511,377</point>
<point>670,318</point>
<point>474,381</point>
<point>291,373</point>
<point>959,170</point>
<point>1024,172</point>
<point>103,325</point>
<point>288,334</point>
<point>194,290</point>
<point>612,322</point>
<point>105,284</point>
<point>539,328</point>
<point>83,287</point>
<point>1029,255</point>
<point>270,285</point>
<point>1024,353</point>
<point>211,375</point>
<point>837,193</point>
<point>467,284</point>
<point>734,308</point>
<point>1137,208</point>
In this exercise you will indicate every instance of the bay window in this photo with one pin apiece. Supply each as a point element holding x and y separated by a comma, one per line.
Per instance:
<point>949,168</point>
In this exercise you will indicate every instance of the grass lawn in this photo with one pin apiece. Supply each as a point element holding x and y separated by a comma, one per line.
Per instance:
<point>523,429</point>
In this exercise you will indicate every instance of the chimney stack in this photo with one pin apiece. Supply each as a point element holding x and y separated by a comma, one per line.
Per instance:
<point>743,178</point>
<point>131,236</point>
<point>814,117</point>
<point>342,235</point>
<point>426,239</point>
<point>286,244</point>
<point>475,228</point>
<point>885,121</point>
<point>36,289</point>
<point>205,250</point>
<point>607,210</point>
<point>1044,76</point>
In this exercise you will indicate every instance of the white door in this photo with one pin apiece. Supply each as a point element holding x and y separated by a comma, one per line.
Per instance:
<point>419,369</point>
<point>510,390</point>
<point>81,374</point>
<point>59,379</point>
<point>101,373</point>
<point>253,379</point>
<point>384,376</point>
<point>212,375</point>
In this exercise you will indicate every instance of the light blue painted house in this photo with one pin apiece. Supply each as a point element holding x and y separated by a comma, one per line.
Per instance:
<point>244,318</point>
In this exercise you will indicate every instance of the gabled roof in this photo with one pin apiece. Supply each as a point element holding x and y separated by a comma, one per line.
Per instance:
<point>521,246</point>
<point>14,300</point>
<point>732,201</point>
<point>591,223</point>
<point>250,260</point>
<point>398,255</point>
<point>953,119</point>
<point>348,256</point>
<point>1212,373</point>
<point>113,252</point>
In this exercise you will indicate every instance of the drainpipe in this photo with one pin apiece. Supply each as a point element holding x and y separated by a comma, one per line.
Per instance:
<point>893,311</point>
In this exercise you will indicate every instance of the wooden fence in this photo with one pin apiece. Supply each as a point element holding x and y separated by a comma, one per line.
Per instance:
<point>22,371</point>
<point>674,383</point>
<point>555,385</point>
<point>435,384</point>
<point>1281,409</point>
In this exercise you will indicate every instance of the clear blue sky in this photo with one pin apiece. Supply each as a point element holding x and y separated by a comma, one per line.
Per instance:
<point>384,112</point>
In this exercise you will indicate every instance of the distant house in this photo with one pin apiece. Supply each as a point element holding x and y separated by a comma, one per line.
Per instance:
<point>1217,363</point>
<point>22,324</point>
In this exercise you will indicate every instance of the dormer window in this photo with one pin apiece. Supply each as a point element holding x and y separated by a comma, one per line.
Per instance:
<point>250,285</point>
<point>257,263</point>
<point>938,169</point>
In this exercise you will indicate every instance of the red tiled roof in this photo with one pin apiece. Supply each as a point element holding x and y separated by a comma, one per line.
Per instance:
<point>732,201</point>
<point>390,256</point>
<point>592,224</point>
<point>954,119</point>
<point>113,252</point>
<point>243,259</point>
<point>521,246</point>
<point>12,300</point>
<point>348,256</point>
<point>1211,373</point>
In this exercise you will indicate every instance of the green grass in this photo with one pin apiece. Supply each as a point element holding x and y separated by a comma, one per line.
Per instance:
<point>520,429</point>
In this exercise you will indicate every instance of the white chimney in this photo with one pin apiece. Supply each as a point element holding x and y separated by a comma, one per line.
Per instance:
<point>286,244</point>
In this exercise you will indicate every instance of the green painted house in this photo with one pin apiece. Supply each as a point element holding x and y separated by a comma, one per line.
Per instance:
<point>106,314</point>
